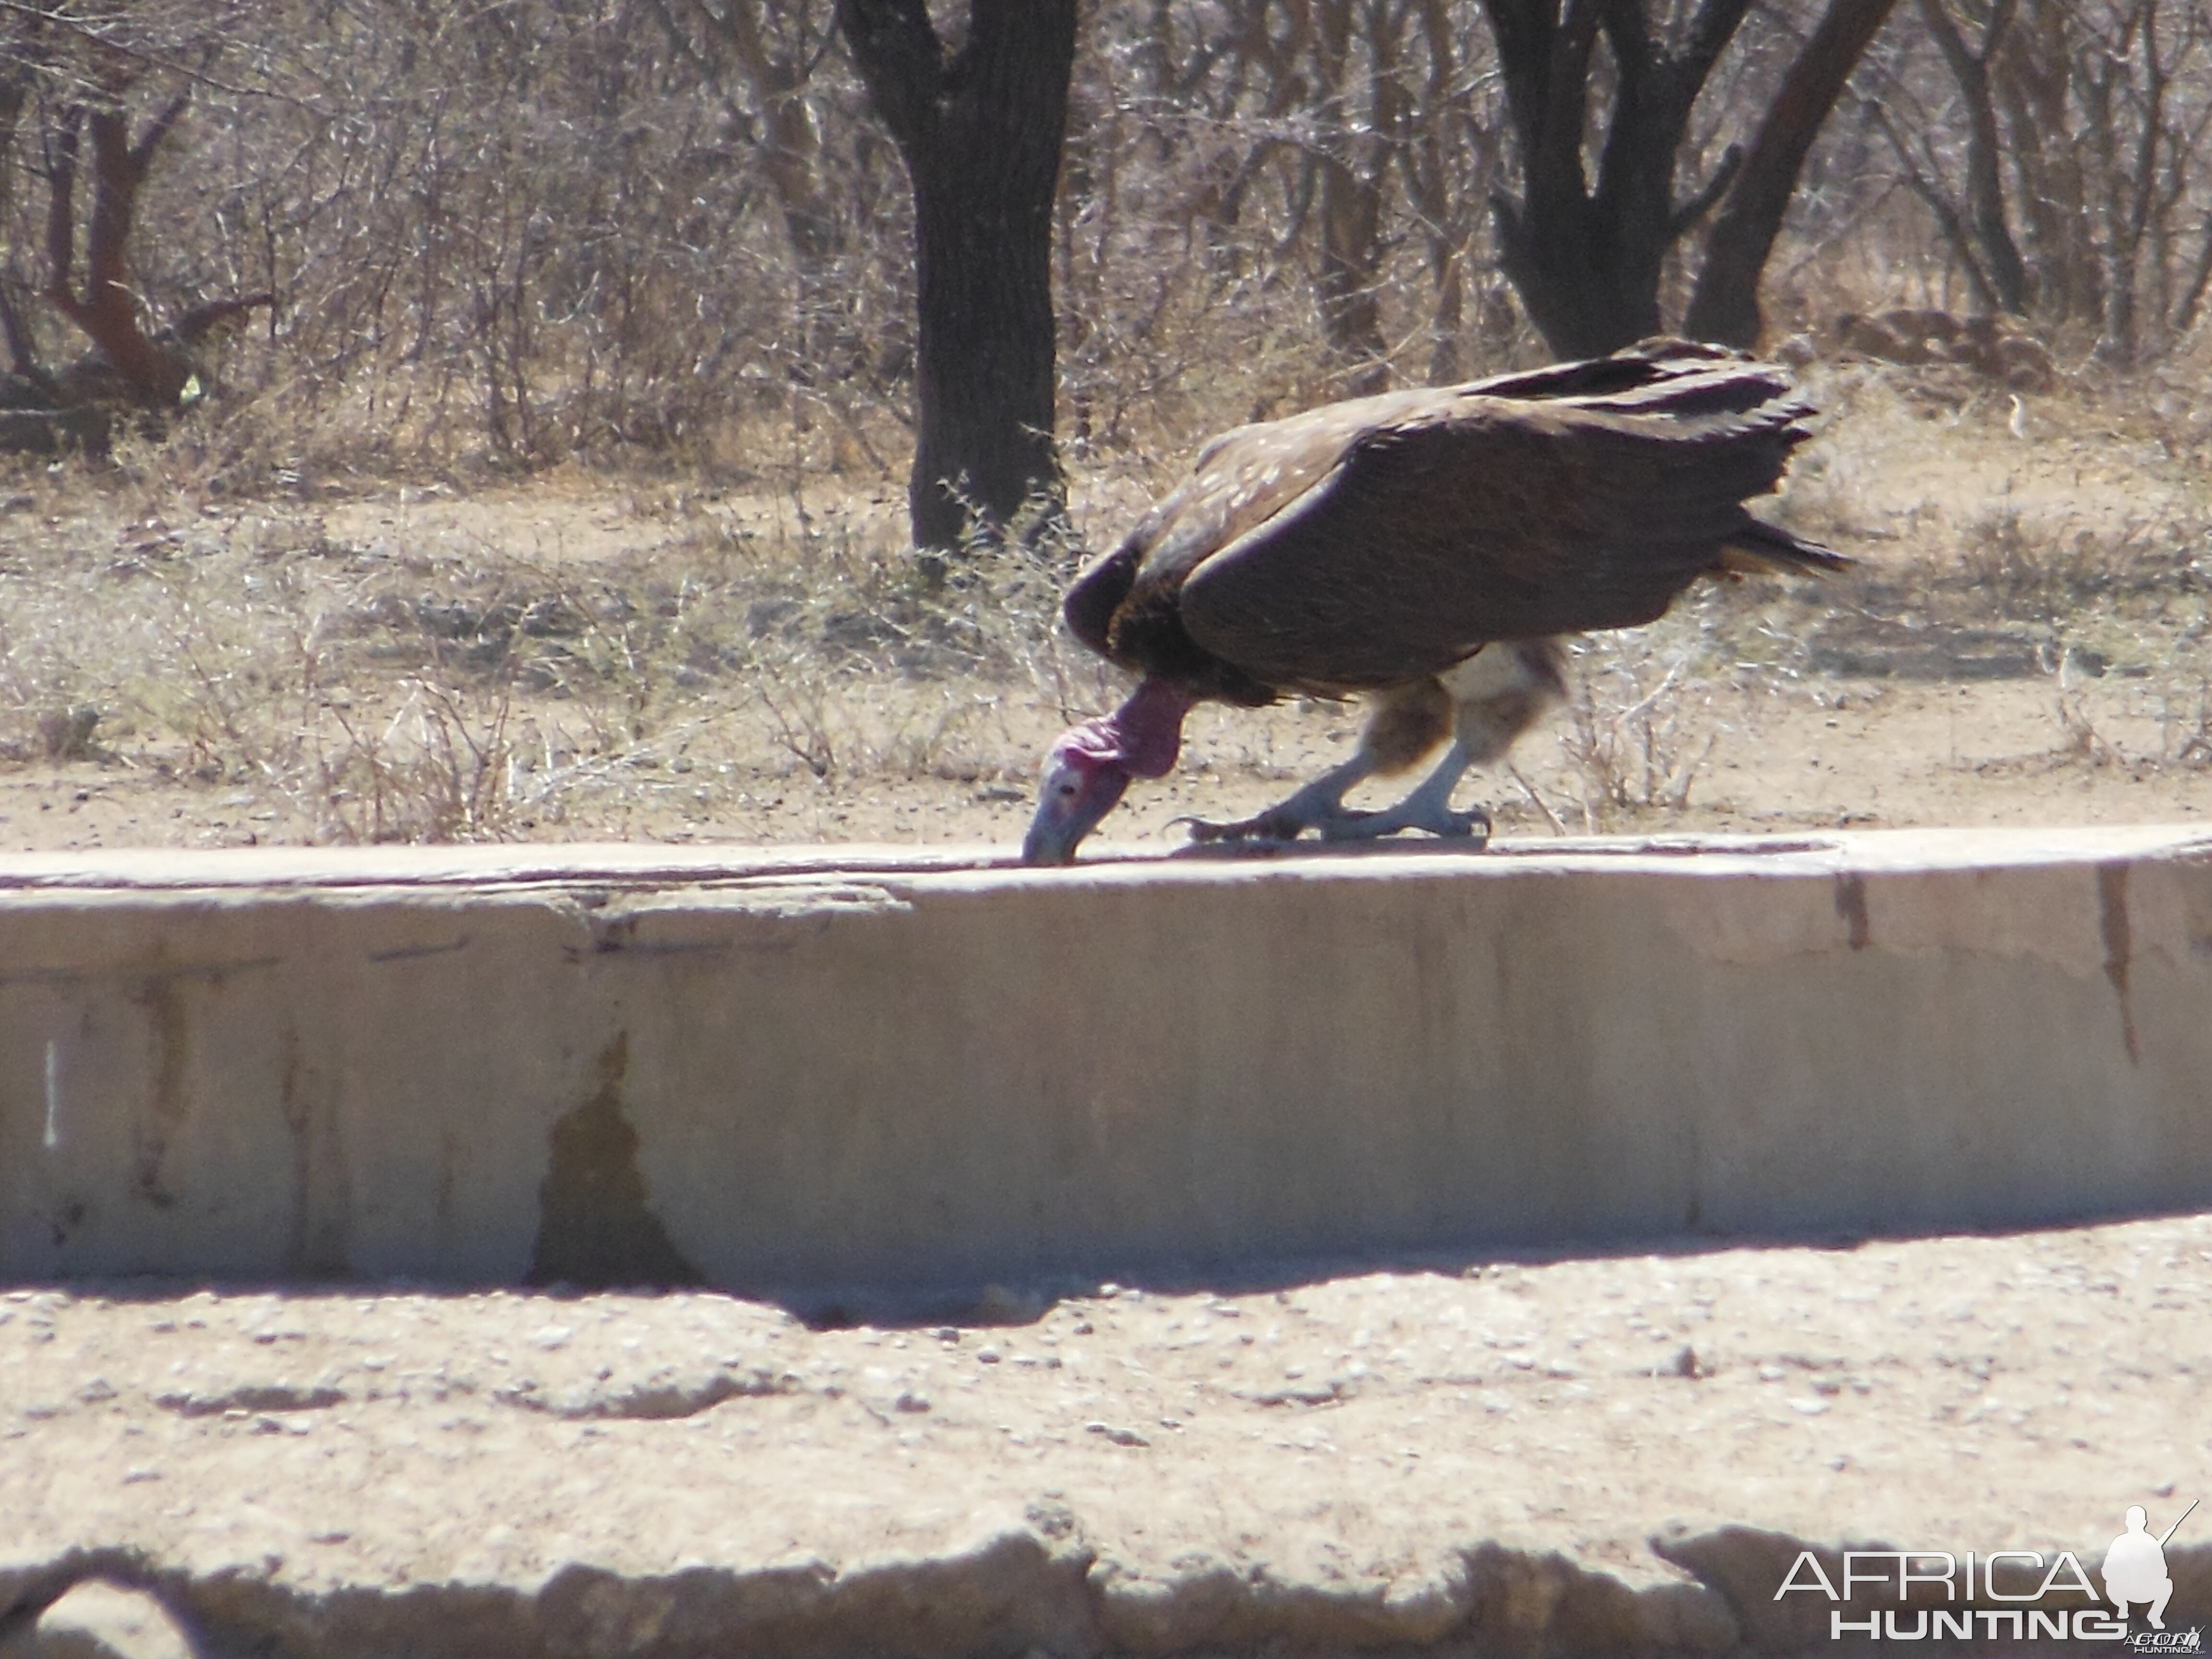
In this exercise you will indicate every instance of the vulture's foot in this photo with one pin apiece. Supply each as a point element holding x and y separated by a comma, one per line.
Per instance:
<point>1319,807</point>
<point>1320,803</point>
<point>1278,823</point>
<point>1413,813</point>
<point>1273,824</point>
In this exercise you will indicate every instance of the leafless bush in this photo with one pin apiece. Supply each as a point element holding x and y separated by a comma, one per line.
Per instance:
<point>439,769</point>
<point>1638,733</point>
<point>2060,150</point>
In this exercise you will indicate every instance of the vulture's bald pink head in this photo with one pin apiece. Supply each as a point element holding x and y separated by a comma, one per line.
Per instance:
<point>1087,770</point>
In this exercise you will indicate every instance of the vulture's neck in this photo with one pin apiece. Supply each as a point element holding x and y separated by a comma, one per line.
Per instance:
<point>1147,729</point>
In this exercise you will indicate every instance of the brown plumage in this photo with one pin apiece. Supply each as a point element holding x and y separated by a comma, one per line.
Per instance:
<point>1379,546</point>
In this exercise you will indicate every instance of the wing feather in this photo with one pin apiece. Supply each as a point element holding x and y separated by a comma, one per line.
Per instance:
<point>1473,517</point>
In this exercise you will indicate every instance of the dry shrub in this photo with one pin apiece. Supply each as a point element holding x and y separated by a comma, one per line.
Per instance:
<point>866,659</point>
<point>441,769</point>
<point>1639,731</point>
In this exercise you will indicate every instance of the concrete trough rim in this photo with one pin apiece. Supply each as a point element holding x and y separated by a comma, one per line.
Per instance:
<point>812,1071</point>
<point>628,864</point>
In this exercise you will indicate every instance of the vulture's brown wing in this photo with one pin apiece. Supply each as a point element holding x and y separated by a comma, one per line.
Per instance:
<point>1121,602</point>
<point>1648,362</point>
<point>1478,518</point>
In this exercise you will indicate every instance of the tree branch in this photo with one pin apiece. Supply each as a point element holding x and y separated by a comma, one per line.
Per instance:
<point>61,204</point>
<point>901,60</point>
<point>1725,305</point>
<point>1687,214</point>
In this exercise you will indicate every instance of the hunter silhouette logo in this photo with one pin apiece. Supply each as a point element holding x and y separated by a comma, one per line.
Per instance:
<point>1942,1595</point>
<point>2135,1565</point>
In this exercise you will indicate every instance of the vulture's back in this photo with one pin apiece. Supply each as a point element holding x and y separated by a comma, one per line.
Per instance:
<point>1371,542</point>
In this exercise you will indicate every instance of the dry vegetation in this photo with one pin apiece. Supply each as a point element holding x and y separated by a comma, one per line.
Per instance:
<point>557,497</point>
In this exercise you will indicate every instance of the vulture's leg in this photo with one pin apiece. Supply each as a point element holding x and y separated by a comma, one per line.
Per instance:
<point>1495,695</point>
<point>1428,807</point>
<point>1408,722</point>
<point>1320,803</point>
<point>1485,703</point>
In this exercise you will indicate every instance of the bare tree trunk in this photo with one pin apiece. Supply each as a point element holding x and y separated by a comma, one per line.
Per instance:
<point>107,310</point>
<point>2035,79</point>
<point>1350,163</point>
<point>15,89</point>
<point>1429,166</point>
<point>1725,305</point>
<point>1587,259</point>
<point>774,76</point>
<point>2000,255</point>
<point>981,129</point>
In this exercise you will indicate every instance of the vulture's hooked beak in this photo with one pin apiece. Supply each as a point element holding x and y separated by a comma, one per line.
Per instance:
<point>1077,790</point>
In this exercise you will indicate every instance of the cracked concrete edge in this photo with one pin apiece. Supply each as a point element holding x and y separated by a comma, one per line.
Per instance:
<point>100,1618</point>
<point>1018,1591</point>
<point>1022,1590</point>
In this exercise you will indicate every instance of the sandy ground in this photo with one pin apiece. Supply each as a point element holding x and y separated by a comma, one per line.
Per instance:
<point>1517,1456</point>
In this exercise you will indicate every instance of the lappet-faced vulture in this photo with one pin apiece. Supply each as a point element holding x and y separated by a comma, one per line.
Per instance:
<point>1425,548</point>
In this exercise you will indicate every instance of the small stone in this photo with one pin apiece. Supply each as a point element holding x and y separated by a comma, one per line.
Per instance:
<point>910,1402</point>
<point>1116,1436</point>
<point>987,1356</point>
<point>98,1619</point>
<point>551,1336</point>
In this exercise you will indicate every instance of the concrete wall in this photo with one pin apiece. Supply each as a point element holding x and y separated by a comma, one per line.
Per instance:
<point>805,1072</point>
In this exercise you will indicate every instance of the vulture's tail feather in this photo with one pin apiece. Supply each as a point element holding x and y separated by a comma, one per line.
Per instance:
<point>1763,548</point>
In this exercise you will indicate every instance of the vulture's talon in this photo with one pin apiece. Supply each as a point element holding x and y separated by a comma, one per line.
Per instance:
<point>1475,822</point>
<point>1266,827</point>
<point>1473,826</point>
<point>1411,814</point>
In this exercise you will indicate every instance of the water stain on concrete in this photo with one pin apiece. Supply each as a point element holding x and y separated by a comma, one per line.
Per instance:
<point>1851,910</point>
<point>322,1186</point>
<point>595,1226</point>
<point>2119,945</point>
<point>163,998</point>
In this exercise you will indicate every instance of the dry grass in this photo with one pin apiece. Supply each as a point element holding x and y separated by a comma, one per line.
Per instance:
<point>374,690</point>
<point>478,668</point>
